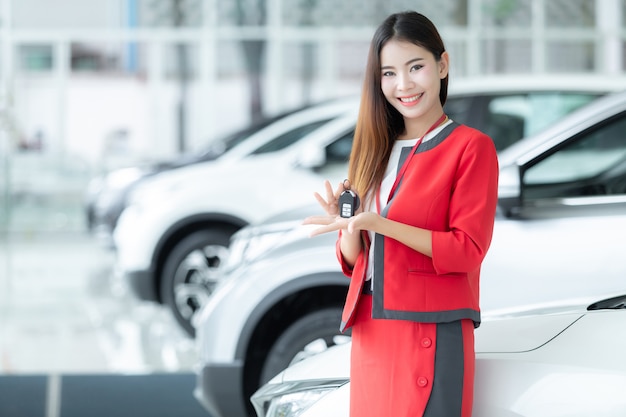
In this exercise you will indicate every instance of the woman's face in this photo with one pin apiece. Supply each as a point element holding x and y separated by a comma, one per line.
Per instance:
<point>411,79</point>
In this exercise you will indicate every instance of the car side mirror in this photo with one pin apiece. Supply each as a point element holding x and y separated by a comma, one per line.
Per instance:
<point>510,189</point>
<point>311,157</point>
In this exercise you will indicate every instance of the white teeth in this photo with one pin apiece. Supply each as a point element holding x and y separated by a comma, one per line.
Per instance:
<point>410,99</point>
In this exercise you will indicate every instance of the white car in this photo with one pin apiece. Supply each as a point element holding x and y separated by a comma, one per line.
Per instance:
<point>562,207</point>
<point>558,360</point>
<point>107,193</point>
<point>176,229</point>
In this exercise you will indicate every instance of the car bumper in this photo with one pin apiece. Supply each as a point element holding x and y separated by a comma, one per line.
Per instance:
<point>219,388</point>
<point>135,238</point>
<point>142,284</point>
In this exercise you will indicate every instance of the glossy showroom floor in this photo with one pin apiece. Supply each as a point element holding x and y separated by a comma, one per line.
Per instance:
<point>73,342</point>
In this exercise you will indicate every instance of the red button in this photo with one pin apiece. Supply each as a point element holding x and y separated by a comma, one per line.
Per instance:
<point>426,342</point>
<point>422,381</point>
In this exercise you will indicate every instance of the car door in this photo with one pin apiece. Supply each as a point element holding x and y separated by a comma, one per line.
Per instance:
<point>565,237</point>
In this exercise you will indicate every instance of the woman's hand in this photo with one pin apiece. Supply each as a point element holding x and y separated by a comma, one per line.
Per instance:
<point>332,221</point>
<point>331,203</point>
<point>361,221</point>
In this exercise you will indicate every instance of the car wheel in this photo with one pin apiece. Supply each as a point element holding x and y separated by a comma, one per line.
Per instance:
<point>312,334</point>
<point>190,273</point>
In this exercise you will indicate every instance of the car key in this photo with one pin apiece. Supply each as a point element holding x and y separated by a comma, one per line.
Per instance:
<point>348,203</point>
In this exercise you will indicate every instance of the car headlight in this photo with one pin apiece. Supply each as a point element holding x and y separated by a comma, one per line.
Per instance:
<point>151,191</point>
<point>251,242</point>
<point>94,187</point>
<point>121,178</point>
<point>291,399</point>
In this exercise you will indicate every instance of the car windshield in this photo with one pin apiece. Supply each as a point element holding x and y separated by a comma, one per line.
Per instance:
<point>220,146</point>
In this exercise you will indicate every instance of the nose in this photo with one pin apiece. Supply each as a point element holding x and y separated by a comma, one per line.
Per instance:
<point>405,82</point>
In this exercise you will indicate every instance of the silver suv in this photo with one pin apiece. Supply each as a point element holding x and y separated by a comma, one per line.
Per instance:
<point>558,234</point>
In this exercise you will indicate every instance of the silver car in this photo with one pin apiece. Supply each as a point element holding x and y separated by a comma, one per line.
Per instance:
<point>561,360</point>
<point>558,235</point>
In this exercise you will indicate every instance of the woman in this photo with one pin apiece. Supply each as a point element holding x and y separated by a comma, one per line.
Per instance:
<point>414,247</point>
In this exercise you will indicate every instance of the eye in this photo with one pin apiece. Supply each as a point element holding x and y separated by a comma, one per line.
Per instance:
<point>388,73</point>
<point>416,67</point>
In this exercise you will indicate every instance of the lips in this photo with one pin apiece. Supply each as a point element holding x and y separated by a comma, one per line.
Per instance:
<point>411,99</point>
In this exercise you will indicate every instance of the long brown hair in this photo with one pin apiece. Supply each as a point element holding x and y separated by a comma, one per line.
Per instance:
<point>379,123</point>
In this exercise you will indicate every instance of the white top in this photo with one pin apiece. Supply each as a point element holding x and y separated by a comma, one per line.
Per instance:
<point>387,183</point>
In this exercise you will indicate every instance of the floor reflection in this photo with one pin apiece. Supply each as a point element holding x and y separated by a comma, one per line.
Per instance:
<point>62,311</point>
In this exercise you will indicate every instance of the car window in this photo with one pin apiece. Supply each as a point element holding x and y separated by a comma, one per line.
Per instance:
<point>593,164</point>
<point>289,138</point>
<point>459,109</point>
<point>509,118</point>
<point>337,155</point>
<point>339,150</point>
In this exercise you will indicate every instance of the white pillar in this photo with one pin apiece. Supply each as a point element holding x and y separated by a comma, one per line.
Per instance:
<point>274,71</point>
<point>61,62</point>
<point>608,25</point>
<point>474,64</point>
<point>207,74</point>
<point>6,42</point>
<point>159,129</point>
<point>6,270</point>
<point>538,42</point>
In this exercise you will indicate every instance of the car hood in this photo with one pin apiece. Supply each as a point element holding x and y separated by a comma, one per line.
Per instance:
<point>500,332</point>
<point>201,172</point>
<point>333,363</point>
<point>256,174</point>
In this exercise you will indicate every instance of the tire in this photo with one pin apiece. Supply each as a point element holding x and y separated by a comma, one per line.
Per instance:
<point>309,335</point>
<point>190,273</point>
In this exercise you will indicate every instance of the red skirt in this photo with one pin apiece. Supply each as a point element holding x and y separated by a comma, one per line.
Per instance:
<point>403,368</point>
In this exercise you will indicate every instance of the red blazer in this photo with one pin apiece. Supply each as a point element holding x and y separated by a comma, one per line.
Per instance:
<point>451,188</point>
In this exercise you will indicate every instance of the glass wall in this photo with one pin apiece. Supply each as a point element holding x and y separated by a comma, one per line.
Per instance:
<point>183,61</point>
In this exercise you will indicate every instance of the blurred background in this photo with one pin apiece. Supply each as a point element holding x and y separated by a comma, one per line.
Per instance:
<point>87,87</point>
<point>91,86</point>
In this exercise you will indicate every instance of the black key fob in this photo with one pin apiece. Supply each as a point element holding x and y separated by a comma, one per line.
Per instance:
<point>348,203</point>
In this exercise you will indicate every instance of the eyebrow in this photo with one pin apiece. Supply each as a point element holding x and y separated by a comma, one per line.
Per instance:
<point>410,61</point>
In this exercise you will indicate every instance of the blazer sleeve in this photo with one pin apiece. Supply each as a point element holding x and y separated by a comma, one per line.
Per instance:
<point>463,246</point>
<point>345,267</point>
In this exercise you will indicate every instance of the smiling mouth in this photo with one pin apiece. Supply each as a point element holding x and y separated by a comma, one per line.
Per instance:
<point>411,99</point>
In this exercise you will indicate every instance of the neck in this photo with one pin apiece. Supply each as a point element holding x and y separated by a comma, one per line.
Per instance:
<point>418,128</point>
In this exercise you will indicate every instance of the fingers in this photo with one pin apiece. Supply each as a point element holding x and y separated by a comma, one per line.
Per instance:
<point>363,221</point>
<point>341,188</point>
<point>330,204</point>
<point>331,222</point>
<point>333,227</point>
<point>321,200</point>
<point>321,220</point>
<point>330,207</point>
<point>327,223</point>
<point>330,196</point>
